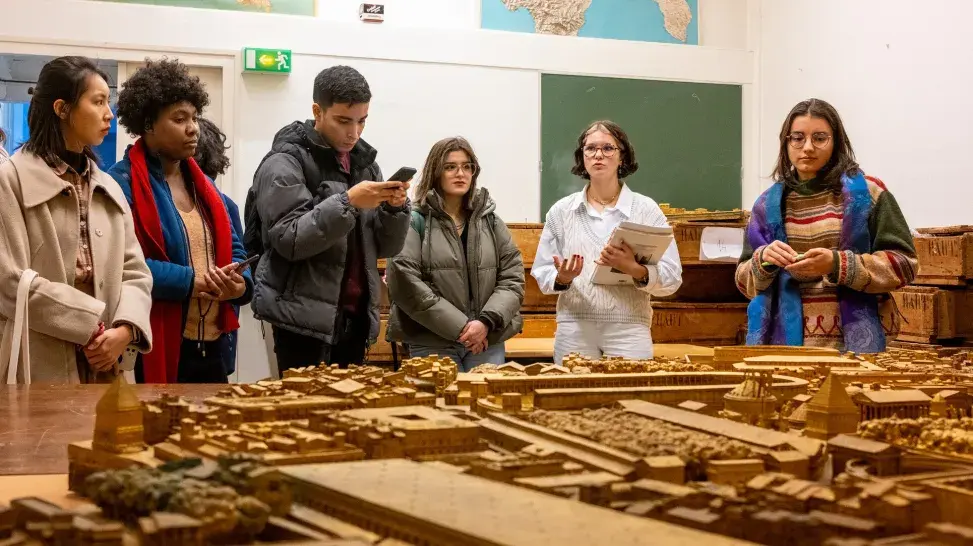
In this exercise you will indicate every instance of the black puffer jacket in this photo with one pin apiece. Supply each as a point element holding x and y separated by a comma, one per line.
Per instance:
<point>301,196</point>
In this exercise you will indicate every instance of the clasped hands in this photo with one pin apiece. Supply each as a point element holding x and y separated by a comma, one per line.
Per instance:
<point>817,262</point>
<point>474,336</point>
<point>105,347</point>
<point>368,195</point>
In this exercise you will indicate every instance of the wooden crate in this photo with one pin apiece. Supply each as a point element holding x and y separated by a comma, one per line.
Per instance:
<point>688,235</point>
<point>930,314</point>
<point>707,283</point>
<point>534,300</point>
<point>538,325</point>
<point>945,256</point>
<point>526,236</point>
<point>698,323</point>
<point>690,323</point>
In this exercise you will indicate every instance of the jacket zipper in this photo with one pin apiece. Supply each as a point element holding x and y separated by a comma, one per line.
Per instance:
<point>466,267</point>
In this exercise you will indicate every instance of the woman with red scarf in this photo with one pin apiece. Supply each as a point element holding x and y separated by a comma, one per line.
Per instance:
<point>182,225</point>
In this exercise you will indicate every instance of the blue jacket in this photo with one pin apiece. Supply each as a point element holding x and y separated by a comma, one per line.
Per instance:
<point>229,358</point>
<point>173,280</point>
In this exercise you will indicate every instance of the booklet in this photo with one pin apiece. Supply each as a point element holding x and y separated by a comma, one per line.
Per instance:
<point>648,242</point>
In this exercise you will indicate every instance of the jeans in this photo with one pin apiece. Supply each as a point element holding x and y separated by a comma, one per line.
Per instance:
<point>464,359</point>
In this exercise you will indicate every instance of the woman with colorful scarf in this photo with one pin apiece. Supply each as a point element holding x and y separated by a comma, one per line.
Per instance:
<point>825,245</point>
<point>182,224</point>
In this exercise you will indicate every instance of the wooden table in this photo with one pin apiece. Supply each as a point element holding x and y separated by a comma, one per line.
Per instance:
<point>37,422</point>
<point>543,348</point>
<point>529,347</point>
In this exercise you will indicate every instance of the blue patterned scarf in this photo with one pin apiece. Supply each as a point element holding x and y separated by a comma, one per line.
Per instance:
<point>776,315</point>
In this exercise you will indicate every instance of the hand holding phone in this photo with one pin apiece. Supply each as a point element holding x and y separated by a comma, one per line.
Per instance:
<point>368,195</point>
<point>240,266</point>
<point>404,174</point>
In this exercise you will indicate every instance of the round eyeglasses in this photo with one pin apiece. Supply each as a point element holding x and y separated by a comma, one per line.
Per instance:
<point>468,168</point>
<point>606,150</point>
<point>818,140</point>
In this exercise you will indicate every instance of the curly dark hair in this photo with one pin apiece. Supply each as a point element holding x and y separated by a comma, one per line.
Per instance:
<point>154,87</point>
<point>211,150</point>
<point>627,165</point>
<point>842,160</point>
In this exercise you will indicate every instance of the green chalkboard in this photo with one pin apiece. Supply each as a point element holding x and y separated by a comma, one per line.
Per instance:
<point>687,137</point>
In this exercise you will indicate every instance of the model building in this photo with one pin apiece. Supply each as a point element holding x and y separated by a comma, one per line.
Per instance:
<point>754,445</point>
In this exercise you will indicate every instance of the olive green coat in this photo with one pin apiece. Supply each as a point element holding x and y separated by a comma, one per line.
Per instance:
<point>431,280</point>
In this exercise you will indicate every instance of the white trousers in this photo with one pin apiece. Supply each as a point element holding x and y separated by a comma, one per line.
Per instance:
<point>596,339</point>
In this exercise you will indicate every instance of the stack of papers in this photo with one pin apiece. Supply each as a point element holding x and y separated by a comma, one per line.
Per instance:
<point>648,242</point>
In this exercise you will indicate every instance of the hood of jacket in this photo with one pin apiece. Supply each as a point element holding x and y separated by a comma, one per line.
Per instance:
<point>302,134</point>
<point>479,206</point>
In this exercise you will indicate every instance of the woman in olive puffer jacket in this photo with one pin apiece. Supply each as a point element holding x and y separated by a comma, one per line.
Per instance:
<point>458,284</point>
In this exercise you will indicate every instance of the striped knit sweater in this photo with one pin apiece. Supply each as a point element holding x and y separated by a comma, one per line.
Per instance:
<point>812,217</point>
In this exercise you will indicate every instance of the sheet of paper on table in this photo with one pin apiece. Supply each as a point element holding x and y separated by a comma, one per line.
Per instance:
<point>721,244</point>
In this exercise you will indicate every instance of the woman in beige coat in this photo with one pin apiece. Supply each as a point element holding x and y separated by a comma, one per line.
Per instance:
<point>62,217</point>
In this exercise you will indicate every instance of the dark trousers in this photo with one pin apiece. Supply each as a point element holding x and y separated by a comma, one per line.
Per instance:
<point>295,350</point>
<point>199,362</point>
<point>202,361</point>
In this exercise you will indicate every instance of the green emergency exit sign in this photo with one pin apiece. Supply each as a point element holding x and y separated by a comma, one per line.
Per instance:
<point>267,61</point>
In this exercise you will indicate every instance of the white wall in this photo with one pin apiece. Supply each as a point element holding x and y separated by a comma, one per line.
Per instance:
<point>900,75</point>
<point>432,72</point>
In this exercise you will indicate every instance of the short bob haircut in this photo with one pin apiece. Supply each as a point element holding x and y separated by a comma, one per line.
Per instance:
<point>154,87</point>
<point>627,166</point>
<point>842,160</point>
<point>63,78</point>
<point>432,169</point>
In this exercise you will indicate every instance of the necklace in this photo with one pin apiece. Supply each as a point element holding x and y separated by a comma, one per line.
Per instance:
<point>604,203</point>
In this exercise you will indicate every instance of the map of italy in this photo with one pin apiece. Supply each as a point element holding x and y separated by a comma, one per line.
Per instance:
<point>566,17</point>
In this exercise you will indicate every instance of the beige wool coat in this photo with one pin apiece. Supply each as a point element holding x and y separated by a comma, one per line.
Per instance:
<point>40,230</point>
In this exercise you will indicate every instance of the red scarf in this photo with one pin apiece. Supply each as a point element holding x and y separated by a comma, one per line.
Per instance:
<point>162,364</point>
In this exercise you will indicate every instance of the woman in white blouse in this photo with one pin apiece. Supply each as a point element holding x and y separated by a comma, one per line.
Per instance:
<point>592,319</point>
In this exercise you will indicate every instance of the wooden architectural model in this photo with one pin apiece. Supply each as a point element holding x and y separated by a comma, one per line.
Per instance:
<point>752,445</point>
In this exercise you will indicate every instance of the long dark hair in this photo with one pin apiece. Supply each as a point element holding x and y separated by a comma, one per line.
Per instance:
<point>64,78</point>
<point>842,157</point>
<point>432,170</point>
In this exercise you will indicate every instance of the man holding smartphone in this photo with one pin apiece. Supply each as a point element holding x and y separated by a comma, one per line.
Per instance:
<point>320,216</point>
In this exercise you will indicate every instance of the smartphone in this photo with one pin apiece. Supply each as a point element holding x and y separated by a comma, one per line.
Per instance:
<point>403,175</point>
<point>248,262</point>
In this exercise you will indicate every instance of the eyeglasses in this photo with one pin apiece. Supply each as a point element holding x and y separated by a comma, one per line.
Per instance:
<point>818,140</point>
<point>468,168</point>
<point>606,150</point>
